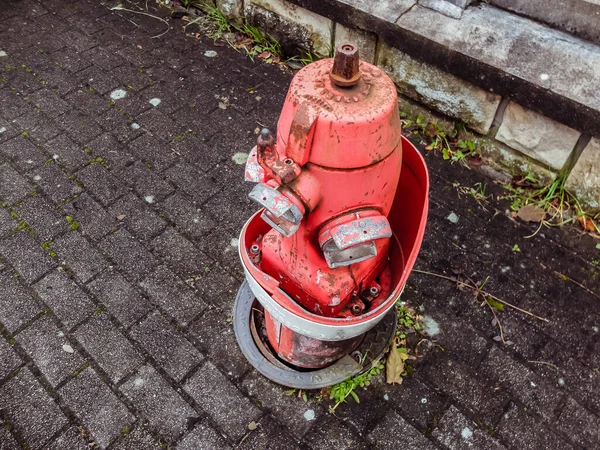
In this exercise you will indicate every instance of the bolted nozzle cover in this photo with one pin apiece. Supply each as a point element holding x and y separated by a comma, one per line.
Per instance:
<point>345,71</point>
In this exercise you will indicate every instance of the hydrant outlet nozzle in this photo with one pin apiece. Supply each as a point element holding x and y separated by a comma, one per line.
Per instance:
<point>345,71</point>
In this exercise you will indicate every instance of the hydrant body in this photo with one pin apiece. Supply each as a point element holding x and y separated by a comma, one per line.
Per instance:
<point>324,261</point>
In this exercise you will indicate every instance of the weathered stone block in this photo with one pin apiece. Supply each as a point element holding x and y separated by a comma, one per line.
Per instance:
<point>584,179</point>
<point>444,7</point>
<point>439,90</point>
<point>579,17</point>
<point>232,9</point>
<point>365,41</point>
<point>300,27</point>
<point>537,136</point>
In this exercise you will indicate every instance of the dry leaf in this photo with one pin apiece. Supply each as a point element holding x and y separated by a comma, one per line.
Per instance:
<point>531,213</point>
<point>586,223</point>
<point>264,55</point>
<point>394,366</point>
<point>121,217</point>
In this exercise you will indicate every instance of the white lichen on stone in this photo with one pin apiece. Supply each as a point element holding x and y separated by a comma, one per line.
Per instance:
<point>149,198</point>
<point>430,326</point>
<point>135,126</point>
<point>234,242</point>
<point>3,53</point>
<point>138,382</point>
<point>210,53</point>
<point>118,94</point>
<point>155,101</point>
<point>240,158</point>
<point>309,414</point>
<point>466,433</point>
<point>2,130</point>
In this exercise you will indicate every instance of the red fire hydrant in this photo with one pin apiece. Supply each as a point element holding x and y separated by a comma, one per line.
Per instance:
<point>344,205</point>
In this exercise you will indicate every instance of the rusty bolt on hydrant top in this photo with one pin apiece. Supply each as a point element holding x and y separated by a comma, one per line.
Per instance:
<point>344,206</point>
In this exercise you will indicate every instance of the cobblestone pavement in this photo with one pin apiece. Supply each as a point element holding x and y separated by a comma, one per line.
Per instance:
<point>121,202</point>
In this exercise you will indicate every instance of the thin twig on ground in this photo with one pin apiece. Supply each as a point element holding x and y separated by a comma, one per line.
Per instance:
<point>120,8</point>
<point>484,293</point>
<point>565,277</point>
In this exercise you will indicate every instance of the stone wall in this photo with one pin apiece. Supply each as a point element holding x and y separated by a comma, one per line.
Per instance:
<point>517,89</point>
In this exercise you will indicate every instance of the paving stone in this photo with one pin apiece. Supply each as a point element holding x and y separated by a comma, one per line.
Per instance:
<point>131,76</point>
<point>58,79</point>
<point>521,382</point>
<point>149,149</point>
<point>213,334</point>
<point>68,153</point>
<point>7,441</point>
<point>222,245</point>
<point>218,286</point>
<point>7,131</point>
<point>74,251</point>
<point>394,429</point>
<point>222,401</point>
<point>580,425</point>
<point>113,152</point>
<point>17,306</point>
<point>49,103</point>
<point>203,437</point>
<point>41,217</point>
<point>171,294</point>
<point>166,345</point>
<point>286,409</point>
<point>180,254</point>
<point>100,410</point>
<point>520,430</point>
<point>94,221</point>
<point>101,183</point>
<point>168,414</point>
<point>55,183</point>
<point>150,186</point>
<point>7,222</point>
<point>136,216</point>
<point>330,434</point>
<point>131,257</point>
<point>270,435</point>
<point>71,439</point>
<point>37,127</point>
<point>138,439</point>
<point>478,394</point>
<point>123,126</point>
<point>188,216</point>
<point>103,58</point>
<point>109,348</point>
<point>23,153</point>
<point>26,255</point>
<point>76,40</point>
<point>9,360</point>
<point>121,298</point>
<point>43,341</point>
<point>79,126</point>
<point>13,186</point>
<point>64,297</point>
<point>88,100</point>
<point>458,432</point>
<point>30,409</point>
<point>12,104</point>
<point>414,400</point>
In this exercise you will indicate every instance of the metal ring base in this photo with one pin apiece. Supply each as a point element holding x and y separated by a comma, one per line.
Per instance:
<point>373,347</point>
